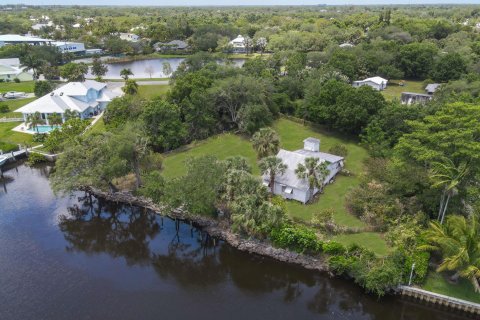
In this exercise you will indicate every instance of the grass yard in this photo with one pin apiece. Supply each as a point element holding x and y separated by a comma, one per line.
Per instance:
<point>14,105</point>
<point>370,240</point>
<point>394,91</point>
<point>98,127</point>
<point>436,282</point>
<point>150,91</point>
<point>26,86</point>
<point>221,146</point>
<point>292,135</point>
<point>9,136</point>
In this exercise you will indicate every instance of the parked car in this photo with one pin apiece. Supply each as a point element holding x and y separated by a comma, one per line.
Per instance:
<point>14,95</point>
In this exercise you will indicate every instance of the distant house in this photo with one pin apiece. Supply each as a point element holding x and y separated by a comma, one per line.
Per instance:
<point>237,45</point>
<point>11,69</point>
<point>409,98</point>
<point>175,45</point>
<point>288,185</point>
<point>377,83</point>
<point>432,87</point>
<point>88,98</point>
<point>132,37</point>
<point>72,47</point>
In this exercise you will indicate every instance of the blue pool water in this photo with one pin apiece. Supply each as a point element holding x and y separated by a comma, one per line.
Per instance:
<point>43,129</point>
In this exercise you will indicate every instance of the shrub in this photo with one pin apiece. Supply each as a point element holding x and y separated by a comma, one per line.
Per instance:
<point>16,80</point>
<point>2,80</point>
<point>339,150</point>
<point>42,88</point>
<point>8,147</point>
<point>4,108</point>
<point>341,264</point>
<point>420,258</point>
<point>36,158</point>
<point>39,137</point>
<point>333,248</point>
<point>299,239</point>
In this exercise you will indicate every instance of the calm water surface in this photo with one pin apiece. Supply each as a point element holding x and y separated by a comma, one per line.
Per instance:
<point>142,68</point>
<point>69,258</point>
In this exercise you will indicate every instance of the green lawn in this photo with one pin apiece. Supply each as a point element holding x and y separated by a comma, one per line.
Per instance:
<point>14,105</point>
<point>150,91</point>
<point>7,135</point>
<point>370,240</point>
<point>436,282</point>
<point>26,86</point>
<point>98,127</point>
<point>221,146</point>
<point>394,91</point>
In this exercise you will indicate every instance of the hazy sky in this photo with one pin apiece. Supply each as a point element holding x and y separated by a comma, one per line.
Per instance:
<point>227,2</point>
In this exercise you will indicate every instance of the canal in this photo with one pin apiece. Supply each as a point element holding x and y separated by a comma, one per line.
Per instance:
<point>81,258</point>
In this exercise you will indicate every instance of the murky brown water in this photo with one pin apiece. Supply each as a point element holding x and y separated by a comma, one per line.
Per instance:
<point>62,258</point>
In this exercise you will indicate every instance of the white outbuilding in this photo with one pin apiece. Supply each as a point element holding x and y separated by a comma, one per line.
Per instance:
<point>377,83</point>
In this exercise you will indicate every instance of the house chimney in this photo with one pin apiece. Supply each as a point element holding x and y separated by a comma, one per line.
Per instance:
<point>311,144</point>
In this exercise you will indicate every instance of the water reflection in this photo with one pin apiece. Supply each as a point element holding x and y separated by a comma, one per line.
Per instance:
<point>178,252</point>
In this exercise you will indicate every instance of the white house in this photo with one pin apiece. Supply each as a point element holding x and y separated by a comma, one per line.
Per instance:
<point>288,185</point>
<point>377,83</point>
<point>88,98</point>
<point>132,37</point>
<point>11,69</point>
<point>432,87</point>
<point>237,45</point>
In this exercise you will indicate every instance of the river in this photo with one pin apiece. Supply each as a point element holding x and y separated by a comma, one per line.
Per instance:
<point>76,258</point>
<point>151,68</point>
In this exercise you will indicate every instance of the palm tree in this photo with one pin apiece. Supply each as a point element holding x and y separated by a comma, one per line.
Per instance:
<point>126,73</point>
<point>315,171</point>
<point>130,87</point>
<point>272,166</point>
<point>457,240</point>
<point>55,119</point>
<point>30,62</point>
<point>266,142</point>
<point>447,175</point>
<point>35,120</point>
<point>70,114</point>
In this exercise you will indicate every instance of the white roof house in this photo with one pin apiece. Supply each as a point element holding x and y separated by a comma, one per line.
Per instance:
<point>289,185</point>
<point>8,71</point>
<point>432,87</point>
<point>16,39</point>
<point>87,98</point>
<point>12,62</point>
<point>132,37</point>
<point>238,44</point>
<point>377,83</point>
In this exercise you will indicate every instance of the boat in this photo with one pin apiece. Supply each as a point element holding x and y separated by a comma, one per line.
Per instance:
<point>3,160</point>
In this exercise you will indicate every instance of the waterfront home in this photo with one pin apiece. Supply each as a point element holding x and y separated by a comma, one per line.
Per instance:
<point>175,45</point>
<point>431,88</point>
<point>62,46</point>
<point>377,83</point>
<point>289,185</point>
<point>87,98</point>
<point>237,45</point>
<point>11,69</point>
<point>409,98</point>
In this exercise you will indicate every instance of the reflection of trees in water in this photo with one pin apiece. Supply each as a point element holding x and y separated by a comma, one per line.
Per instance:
<point>4,180</point>
<point>96,226</point>
<point>117,230</point>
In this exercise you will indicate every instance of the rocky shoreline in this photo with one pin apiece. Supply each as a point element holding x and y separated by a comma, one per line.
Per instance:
<point>218,230</point>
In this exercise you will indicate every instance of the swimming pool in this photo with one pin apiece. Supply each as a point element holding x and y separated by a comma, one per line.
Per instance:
<point>43,129</point>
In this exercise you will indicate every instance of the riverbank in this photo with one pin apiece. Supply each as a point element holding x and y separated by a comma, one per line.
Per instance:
<point>218,229</point>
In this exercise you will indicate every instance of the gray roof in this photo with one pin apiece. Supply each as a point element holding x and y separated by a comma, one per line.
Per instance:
<point>174,43</point>
<point>312,140</point>
<point>432,87</point>
<point>292,159</point>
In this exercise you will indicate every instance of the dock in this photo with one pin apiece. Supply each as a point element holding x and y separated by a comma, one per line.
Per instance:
<point>440,300</point>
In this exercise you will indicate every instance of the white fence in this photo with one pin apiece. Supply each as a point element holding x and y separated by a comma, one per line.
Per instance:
<point>11,119</point>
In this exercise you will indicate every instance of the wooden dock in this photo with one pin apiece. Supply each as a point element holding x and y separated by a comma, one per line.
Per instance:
<point>440,300</point>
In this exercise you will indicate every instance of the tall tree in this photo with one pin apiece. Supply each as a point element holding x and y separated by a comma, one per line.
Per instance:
<point>314,171</point>
<point>74,71</point>
<point>130,87</point>
<point>98,69</point>
<point>32,62</point>
<point>272,166</point>
<point>448,176</point>
<point>266,142</point>
<point>126,73</point>
<point>35,120</point>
